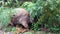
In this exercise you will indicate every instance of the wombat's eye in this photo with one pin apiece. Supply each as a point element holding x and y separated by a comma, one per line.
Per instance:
<point>13,15</point>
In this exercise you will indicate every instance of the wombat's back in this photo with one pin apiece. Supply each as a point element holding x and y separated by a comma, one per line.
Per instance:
<point>20,11</point>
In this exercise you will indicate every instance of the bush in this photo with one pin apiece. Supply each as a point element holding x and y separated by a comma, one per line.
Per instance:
<point>47,12</point>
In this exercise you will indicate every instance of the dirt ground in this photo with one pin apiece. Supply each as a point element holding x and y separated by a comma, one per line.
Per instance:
<point>29,32</point>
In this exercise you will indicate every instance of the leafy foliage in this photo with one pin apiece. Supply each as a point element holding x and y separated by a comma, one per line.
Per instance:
<point>12,3</point>
<point>47,12</point>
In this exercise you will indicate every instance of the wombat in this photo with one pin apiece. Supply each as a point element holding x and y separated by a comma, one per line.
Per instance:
<point>21,16</point>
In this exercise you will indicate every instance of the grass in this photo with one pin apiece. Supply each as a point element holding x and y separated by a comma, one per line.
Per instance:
<point>5,14</point>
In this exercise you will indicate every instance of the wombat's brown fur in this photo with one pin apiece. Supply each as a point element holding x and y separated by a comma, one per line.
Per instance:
<point>20,17</point>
